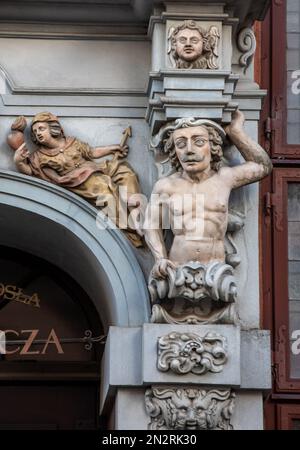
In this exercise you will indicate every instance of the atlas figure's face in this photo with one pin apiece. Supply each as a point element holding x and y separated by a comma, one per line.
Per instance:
<point>189,45</point>
<point>192,148</point>
<point>41,131</point>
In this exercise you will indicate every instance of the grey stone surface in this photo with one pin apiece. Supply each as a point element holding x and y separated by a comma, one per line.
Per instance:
<point>75,64</point>
<point>256,360</point>
<point>248,414</point>
<point>158,54</point>
<point>121,361</point>
<point>130,412</point>
<point>247,273</point>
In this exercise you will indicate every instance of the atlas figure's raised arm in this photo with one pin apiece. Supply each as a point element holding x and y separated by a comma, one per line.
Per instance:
<point>258,164</point>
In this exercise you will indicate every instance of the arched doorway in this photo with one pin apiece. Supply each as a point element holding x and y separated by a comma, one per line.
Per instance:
<point>49,223</point>
<point>50,372</point>
<point>61,228</point>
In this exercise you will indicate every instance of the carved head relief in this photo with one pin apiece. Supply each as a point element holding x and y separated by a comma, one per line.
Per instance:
<point>192,47</point>
<point>189,409</point>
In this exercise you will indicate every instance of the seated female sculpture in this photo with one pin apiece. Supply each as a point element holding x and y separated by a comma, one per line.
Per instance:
<point>69,162</point>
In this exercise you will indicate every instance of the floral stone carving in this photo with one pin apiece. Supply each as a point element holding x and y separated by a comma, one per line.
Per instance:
<point>189,409</point>
<point>188,352</point>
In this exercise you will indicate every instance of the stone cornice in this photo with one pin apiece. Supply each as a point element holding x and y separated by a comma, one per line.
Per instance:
<point>126,12</point>
<point>213,17</point>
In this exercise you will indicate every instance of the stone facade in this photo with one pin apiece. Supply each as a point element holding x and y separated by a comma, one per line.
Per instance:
<point>99,79</point>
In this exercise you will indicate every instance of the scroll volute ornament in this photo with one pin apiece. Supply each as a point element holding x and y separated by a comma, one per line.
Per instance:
<point>246,43</point>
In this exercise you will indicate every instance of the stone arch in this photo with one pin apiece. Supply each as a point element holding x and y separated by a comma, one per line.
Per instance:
<point>54,224</point>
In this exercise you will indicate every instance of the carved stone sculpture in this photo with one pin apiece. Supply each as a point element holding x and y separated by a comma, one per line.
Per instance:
<point>192,47</point>
<point>191,282</point>
<point>189,409</point>
<point>188,352</point>
<point>70,163</point>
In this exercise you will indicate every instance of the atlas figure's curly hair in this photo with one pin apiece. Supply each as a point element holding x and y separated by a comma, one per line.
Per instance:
<point>215,141</point>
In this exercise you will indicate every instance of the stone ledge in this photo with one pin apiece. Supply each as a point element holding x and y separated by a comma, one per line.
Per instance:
<point>131,358</point>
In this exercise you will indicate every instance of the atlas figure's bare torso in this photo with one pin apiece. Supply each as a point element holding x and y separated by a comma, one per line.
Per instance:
<point>198,218</point>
